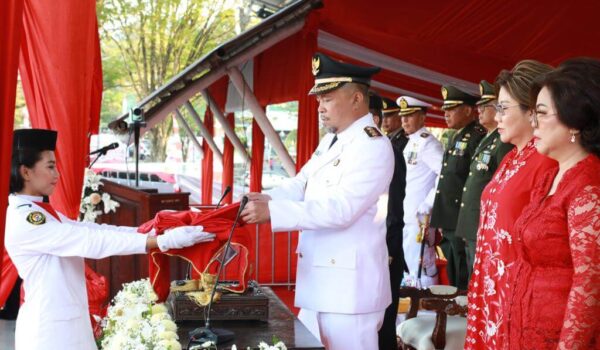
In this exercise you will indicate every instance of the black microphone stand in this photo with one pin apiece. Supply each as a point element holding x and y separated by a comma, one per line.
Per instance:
<point>206,333</point>
<point>103,153</point>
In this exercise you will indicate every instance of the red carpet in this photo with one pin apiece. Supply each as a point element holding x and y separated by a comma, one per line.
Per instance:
<point>287,296</point>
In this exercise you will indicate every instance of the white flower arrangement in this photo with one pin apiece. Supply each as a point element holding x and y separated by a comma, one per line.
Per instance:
<point>135,321</point>
<point>209,345</point>
<point>94,202</point>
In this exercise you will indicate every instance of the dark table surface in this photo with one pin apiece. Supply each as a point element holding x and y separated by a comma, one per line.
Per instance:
<point>282,324</point>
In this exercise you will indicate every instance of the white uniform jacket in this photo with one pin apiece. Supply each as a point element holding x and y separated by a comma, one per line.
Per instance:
<point>49,257</point>
<point>423,156</point>
<point>342,254</point>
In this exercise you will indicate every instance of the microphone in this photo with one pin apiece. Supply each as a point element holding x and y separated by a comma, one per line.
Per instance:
<point>105,149</point>
<point>217,335</point>
<point>225,193</point>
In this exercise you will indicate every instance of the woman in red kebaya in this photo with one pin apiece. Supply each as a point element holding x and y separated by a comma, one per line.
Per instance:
<point>501,203</point>
<point>555,302</point>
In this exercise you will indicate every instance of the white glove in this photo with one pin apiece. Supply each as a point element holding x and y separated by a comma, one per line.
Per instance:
<point>183,236</point>
<point>422,210</point>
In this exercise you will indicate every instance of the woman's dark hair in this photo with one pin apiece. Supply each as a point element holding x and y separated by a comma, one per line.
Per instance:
<point>27,157</point>
<point>518,80</point>
<point>575,90</point>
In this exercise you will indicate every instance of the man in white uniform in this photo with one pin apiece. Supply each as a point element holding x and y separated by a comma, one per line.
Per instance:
<point>423,156</point>
<point>342,280</point>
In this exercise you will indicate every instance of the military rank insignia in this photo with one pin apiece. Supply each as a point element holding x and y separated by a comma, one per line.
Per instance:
<point>460,147</point>
<point>36,218</point>
<point>483,160</point>
<point>411,157</point>
<point>372,131</point>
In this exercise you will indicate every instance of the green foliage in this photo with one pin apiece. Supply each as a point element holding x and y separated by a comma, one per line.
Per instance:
<point>147,42</point>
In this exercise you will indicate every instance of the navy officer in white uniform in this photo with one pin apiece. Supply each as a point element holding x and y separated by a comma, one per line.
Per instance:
<point>342,280</point>
<point>48,249</point>
<point>423,156</point>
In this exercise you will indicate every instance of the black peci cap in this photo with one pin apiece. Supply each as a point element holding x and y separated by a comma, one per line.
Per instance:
<point>39,139</point>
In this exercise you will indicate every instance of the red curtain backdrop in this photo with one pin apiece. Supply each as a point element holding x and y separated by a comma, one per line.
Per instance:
<point>11,15</point>
<point>258,154</point>
<point>207,162</point>
<point>62,81</point>
<point>228,163</point>
<point>308,121</point>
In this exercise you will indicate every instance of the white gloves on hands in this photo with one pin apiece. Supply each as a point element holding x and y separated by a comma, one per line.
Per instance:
<point>183,236</point>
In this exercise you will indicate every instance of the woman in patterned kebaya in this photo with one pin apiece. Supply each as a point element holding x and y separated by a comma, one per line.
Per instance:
<point>555,303</point>
<point>501,203</point>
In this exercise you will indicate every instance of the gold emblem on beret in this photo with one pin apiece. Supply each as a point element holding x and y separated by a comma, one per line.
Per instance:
<point>372,131</point>
<point>403,103</point>
<point>36,218</point>
<point>481,89</point>
<point>384,104</point>
<point>444,93</point>
<point>316,64</point>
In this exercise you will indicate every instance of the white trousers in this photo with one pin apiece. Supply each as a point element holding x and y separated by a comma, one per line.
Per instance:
<point>412,252</point>
<point>344,331</point>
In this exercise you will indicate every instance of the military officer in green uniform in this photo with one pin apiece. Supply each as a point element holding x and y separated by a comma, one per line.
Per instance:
<point>484,162</point>
<point>392,124</point>
<point>459,108</point>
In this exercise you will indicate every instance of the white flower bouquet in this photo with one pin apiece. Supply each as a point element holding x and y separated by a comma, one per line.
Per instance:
<point>135,321</point>
<point>94,202</point>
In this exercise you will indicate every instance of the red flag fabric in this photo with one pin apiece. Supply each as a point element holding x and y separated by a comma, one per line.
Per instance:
<point>218,222</point>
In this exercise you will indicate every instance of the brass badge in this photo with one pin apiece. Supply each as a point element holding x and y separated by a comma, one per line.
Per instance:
<point>336,162</point>
<point>403,103</point>
<point>36,218</point>
<point>316,64</point>
<point>444,93</point>
<point>481,89</point>
<point>384,104</point>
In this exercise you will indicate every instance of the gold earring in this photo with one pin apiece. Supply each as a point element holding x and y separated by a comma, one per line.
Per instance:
<point>572,137</point>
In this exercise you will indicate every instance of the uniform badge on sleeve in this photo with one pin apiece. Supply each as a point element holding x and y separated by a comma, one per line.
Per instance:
<point>372,131</point>
<point>36,218</point>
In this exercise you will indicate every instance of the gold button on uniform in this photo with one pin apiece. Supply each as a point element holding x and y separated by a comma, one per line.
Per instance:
<point>456,201</point>
<point>464,189</point>
<point>470,173</point>
<point>438,191</point>
<point>441,176</point>
<point>445,164</point>
<point>462,205</point>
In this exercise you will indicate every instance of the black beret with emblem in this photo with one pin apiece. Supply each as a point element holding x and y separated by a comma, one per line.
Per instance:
<point>454,97</point>
<point>390,108</point>
<point>331,74</point>
<point>38,139</point>
<point>487,92</point>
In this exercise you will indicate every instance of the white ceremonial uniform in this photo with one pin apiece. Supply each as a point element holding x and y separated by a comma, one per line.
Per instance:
<point>423,156</point>
<point>49,257</point>
<point>342,254</point>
